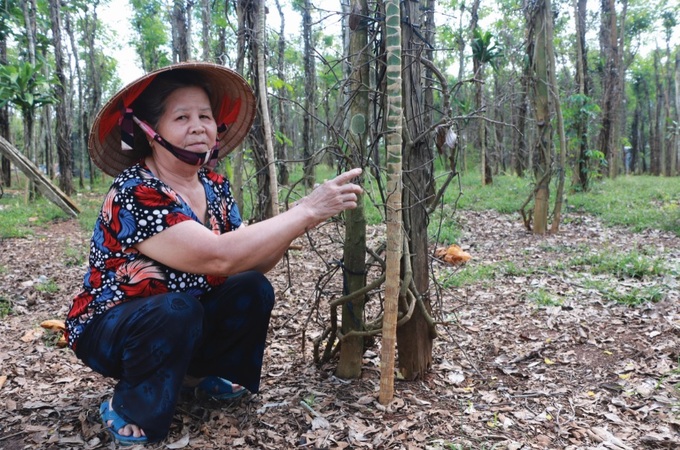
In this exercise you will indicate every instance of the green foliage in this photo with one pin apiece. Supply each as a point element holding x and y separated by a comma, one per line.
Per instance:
<point>483,50</point>
<point>152,36</point>
<point>630,264</point>
<point>5,307</point>
<point>23,85</point>
<point>543,297</point>
<point>639,202</point>
<point>18,219</point>
<point>47,286</point>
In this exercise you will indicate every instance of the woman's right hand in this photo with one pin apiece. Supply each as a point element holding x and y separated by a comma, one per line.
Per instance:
<point>332,197</point>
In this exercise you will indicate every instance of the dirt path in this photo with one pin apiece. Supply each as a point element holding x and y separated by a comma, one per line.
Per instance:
<point>532,357</point>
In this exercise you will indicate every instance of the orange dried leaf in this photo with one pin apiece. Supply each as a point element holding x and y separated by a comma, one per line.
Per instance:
<point>453,255</point>
<point>53,324</point>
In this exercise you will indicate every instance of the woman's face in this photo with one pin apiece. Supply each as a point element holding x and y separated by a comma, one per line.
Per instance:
<point>187,121</point>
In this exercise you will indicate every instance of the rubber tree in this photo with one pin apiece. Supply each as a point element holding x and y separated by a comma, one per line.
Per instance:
<point>354,253</point>
<point>414,337</point>
<point>62,91</point>
<point>538,20</point>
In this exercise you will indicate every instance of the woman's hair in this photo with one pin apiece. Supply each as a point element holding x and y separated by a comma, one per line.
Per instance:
<point>150,105</point>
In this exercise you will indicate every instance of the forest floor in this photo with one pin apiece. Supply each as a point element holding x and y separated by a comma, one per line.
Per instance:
<point>533,357</point>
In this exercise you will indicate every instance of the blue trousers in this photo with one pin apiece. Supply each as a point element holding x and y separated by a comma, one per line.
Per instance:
<point>150,344</point>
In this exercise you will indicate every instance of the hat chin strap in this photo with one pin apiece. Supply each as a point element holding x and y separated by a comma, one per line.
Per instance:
<point>191,158</point>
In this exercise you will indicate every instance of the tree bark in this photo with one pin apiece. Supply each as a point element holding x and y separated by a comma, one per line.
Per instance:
<point>62,91</point>
<point>310,97</point>
<point>539,22</point>
<point>180,32</point>
<point>611,86</point>
<point>273,207</point>
<point>414,338</point>
<point>354,250</point>
<point>580,169</point>
<point>395,241</point>
<point>281,144</point>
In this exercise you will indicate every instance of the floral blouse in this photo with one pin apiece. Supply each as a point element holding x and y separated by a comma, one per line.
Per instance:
<point>138,206</point>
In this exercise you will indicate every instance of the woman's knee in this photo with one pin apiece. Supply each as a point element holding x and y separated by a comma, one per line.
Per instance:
<point>261,289</point>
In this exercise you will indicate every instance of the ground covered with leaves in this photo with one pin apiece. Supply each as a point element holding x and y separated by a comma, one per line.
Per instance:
<point>568,341</point>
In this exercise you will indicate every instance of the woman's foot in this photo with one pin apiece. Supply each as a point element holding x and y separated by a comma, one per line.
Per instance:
<point>122,432</point>
<point>214,387</point>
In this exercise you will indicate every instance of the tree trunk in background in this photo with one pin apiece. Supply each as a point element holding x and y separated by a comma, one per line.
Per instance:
<point>242,44</point>
<point>657,151</point>
<point>521,152</point>
<point>540,19</point>
<point>94,85</point>
<point>354,249</point>
<point>81,131</point>
<point>677,113</point>
<point>580,169</point>
<point>206,20</point>
<point>262,96</point>
<point>611,86</point>
<point>310,97</point>
<point>667,100</point>
<point>5,165</point>
<point>460,40</point>
<point>480,134</point>
<point>181,38</point>
<point>62,91</point>
<point>281,143</point>
<point>414,338</point>
<point>263,200</point>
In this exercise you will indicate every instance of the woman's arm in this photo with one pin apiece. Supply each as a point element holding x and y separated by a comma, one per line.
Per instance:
<point>190,247</point>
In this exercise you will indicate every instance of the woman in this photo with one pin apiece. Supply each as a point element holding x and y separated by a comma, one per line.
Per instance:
<point>175,297</point>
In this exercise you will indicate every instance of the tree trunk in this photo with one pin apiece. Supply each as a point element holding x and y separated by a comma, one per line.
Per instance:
<point>5,165</point>
<point>310,97</point>
<point>242,44</point>
<point>81,116</point>
<point>273,206</point>
<point>62,91</point>
<point>206,19</point>
<point>94,87</point>
<point>180,32</point>
<point>657,150</point>
<point>354,251</point>
<point>677,114</point>
<point>580,170</point>
<point>415,337</point>
<point>281,144</point>
<point>539,22</point>
<point>395,243</point>
<point>611,86</point>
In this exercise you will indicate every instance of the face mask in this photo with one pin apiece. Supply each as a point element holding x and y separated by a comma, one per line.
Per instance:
<point>191,158</point>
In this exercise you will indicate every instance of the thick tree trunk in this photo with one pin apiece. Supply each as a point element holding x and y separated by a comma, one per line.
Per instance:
<point>181,37</point>
<point>611,86</point>
<point>415,337</point>
<point>580,169</point>
<point>538,23</point>
<point>354,251</point>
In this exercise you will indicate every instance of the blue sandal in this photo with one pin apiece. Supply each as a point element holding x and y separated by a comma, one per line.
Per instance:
<point>218,389</point>
<point>117,423</point>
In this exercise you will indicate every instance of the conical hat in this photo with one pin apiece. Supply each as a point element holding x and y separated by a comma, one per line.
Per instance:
<point>236,109</point>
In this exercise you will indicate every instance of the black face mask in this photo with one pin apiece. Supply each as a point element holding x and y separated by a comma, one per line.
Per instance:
<point>191,158</point>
